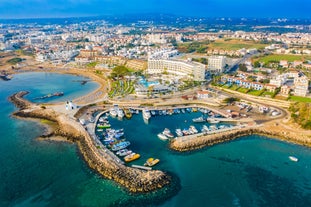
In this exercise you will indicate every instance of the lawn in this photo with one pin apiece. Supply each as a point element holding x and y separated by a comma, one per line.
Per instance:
<point>300,99</point>
<point>278,57</point>
<point>267,94</point>
<point>243,90</point>
<point>235,44</point>
<point>234,87</point>
<point>255,92</point>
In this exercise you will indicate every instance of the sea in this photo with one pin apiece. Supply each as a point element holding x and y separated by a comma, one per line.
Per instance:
<point>250,171</point>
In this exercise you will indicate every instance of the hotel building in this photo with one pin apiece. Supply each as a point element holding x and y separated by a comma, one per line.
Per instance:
<point>188,69</point>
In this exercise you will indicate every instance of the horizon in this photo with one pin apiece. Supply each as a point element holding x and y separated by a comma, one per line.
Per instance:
<point>38,9</point>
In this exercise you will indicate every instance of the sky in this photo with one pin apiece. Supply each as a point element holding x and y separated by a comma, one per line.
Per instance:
<point>205,8</point>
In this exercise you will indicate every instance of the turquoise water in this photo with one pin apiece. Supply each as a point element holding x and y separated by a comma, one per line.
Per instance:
<point>251,171</point>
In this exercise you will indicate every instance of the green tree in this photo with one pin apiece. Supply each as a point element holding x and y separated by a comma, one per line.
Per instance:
<point>242,67</point>
<point>119,71</point>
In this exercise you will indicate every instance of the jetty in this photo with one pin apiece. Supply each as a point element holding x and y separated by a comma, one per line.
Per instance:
<point>50,95</point>
<point>95,155</point>
<point>142,167</point>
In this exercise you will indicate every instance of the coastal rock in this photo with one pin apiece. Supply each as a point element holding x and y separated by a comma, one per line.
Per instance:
<point>135,180</point>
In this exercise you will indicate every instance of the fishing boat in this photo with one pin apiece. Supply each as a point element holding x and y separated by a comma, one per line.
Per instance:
<point>131,157</point>
<point>128,113</point>
<point>162,136</point>
<point>179,132</point>
<point>146,114</point>
<point>199,119</point>
<point>205,128</point>
<point>188,110</point>
<point>167,133</point>
<point>151,162</point>
<point>152,112</point>
<point>120,145</point>
<point>103,125</point>
<point>292,158</point>
<point>124,152</point>
<point>194,109</point>
<point>183,111</point>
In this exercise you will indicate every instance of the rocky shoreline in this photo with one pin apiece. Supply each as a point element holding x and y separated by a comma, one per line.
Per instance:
<point>135,180</point>
<point>209,140</point>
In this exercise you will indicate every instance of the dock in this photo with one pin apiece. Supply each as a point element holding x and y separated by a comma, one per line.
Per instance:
<point>142,167</point>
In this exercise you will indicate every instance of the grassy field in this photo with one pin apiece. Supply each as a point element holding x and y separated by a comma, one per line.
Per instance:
<point>255,92</point>
<point>278,57</point>
<point>300,99</point>
<point>235,44</point>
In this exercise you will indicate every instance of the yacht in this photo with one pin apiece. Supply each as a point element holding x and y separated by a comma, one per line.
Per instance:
<point>193,130</point>
<point>146,114</point>
<point>213,121</point>
<point>179,132</point>
<point>162,136</point>
<point>113,112</point>
<point>120,113</point>
<point>167,133</point>
<point>124,152</point>
<point>199,119</point>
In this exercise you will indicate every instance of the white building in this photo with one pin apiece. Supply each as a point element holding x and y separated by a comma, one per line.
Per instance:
<point>189,69</point>
<point>301,85</point>
<point>216,64</point>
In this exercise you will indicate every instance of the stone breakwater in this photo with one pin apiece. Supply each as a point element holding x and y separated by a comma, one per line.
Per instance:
<point>196,143</point>
<point>135,180</point>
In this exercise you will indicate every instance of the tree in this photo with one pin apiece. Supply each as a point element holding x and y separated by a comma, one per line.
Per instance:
<point>257,64</point>
<point>242,67</point>
<point>119,72</point>
<point>230,100</point>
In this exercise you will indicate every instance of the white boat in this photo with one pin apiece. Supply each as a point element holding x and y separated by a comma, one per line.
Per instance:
<point>120,113</point>
<point>205,128</point>
<point>162,136</point>
<point>146,114</point>
<point>167,133</point>
<point>199,119</point>
<point>213,121</point>
<point>183,111</point>
<point>113,112</point>
<point>292,158</point>
<point>124,152</point>
<point>193,130</point>
<point>179,132</point>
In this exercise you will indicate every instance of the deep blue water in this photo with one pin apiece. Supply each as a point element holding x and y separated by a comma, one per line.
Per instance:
<point>251,171</point>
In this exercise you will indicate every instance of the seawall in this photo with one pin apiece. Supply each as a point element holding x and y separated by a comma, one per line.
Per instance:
<point>135,180</point>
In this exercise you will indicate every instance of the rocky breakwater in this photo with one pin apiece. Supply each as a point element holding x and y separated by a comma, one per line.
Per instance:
<point>274,131</point>
<point>135,180</point>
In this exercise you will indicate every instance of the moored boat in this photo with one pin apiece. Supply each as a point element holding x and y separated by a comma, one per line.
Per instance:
<point>179,132</point>
<point>168,133</point>
<point>162,136</point>
<point>131,157</point>
<point>113,112</point>
<point>124,152</point>
<point>213,121</point>
<point>120,145</point>
<point>146,114</point>
<point>151,162</point>
<point>128,113</point>
<point>199,119</point>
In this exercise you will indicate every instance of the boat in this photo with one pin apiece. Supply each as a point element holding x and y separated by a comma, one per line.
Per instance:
<point>292,158</point>
<point>162,136</point>
<point>167,133</point>
<point>193,130</point>
<point>183,111</point>
<point>113,112</point>
<point>124,152</point>
<point>188,110</point>
<point>152,112</point>
<point>120,145</point>
<point>120,113</point>
<point>131,157</point>
<point>179,132</point>
<point>205,128</point>
<point>151,162</point>
<point>194,109</point>
<point>146,114</point>
<point>103,125</point>
<point>128,113</point>
<point>199,119</point>
<point>213,121</point>
<point>164,112</point>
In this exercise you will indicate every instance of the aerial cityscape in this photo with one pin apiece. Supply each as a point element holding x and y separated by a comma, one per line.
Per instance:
<point>167,103</point>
